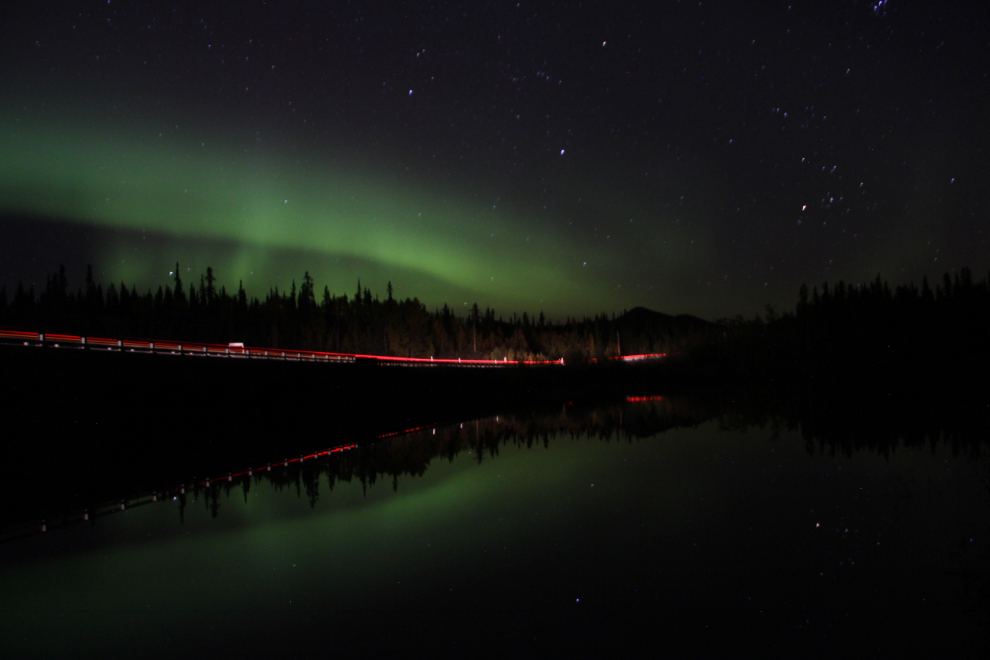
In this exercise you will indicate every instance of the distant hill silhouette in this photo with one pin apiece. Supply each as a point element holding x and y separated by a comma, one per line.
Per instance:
<point>639,320</point>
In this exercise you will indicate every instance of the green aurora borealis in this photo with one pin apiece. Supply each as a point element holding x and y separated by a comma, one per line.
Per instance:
<point>266,215</point>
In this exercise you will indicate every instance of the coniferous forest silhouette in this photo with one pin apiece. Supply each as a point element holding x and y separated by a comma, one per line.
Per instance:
<point>361,323</point>
<point>864,338</point>
<point>884,333</point>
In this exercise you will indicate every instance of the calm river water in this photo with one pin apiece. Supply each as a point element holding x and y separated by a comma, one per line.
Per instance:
<point>639,525</point>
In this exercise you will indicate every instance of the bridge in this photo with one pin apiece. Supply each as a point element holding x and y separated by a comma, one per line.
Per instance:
<point>239,351</point>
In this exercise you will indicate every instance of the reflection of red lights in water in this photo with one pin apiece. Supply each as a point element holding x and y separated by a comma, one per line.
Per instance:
<point>247,473</point>
<point>307,457</point>
<point>403,432</point>
<point>157,496</point>
<point>643,398</point>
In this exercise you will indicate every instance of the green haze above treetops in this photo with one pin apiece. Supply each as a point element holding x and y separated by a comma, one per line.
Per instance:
<point>264,211</point>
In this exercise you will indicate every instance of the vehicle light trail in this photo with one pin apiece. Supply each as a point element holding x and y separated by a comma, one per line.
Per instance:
<point>42,340</point>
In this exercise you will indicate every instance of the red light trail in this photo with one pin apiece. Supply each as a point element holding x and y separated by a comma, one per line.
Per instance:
<point>37,339</point>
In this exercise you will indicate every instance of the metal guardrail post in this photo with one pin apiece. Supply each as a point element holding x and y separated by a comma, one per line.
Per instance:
<point>120,343</point>
<point>82,340</point>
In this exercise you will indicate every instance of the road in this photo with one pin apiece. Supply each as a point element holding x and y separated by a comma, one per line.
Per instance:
<point>239,351</point>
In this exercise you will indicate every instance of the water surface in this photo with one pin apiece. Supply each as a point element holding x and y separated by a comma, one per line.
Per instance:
<point>629,526</point>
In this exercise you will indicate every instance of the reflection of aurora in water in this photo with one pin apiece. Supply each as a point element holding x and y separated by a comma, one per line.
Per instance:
<point>411,452</point>
<point>640,417</point>
<point>407,453</point>
<point>578,526</point>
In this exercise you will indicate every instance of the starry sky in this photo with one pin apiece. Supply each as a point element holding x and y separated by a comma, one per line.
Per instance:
<point>576,158</point>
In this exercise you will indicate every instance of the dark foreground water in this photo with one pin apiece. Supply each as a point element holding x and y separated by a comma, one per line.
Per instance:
<point>636,527</point>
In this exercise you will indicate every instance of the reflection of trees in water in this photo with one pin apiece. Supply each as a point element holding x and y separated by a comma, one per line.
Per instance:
<point>412,454</point>
<point>846,423</point>
<point>827,424</point>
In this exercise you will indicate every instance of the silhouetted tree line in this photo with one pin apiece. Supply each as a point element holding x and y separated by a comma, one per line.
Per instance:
<point>300,319</point>
<point>872,332</point>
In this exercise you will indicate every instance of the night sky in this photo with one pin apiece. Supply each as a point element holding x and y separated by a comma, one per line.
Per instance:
<point>575,158</point>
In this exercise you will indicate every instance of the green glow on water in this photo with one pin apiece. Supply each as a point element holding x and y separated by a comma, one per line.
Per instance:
<point>686,521</point>
<point>147,577</point>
